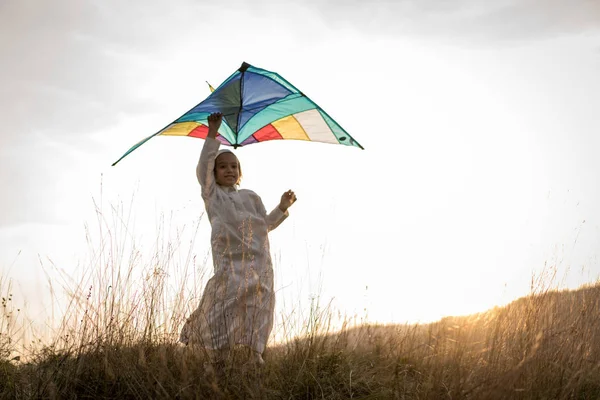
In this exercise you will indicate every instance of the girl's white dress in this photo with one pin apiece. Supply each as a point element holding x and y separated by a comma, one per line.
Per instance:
<point>238,303</point>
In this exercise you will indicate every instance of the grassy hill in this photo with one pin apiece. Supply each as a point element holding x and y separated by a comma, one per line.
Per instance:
<point>544,346</point>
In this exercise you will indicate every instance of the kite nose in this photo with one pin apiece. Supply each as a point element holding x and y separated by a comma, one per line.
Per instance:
<point>244,67</point>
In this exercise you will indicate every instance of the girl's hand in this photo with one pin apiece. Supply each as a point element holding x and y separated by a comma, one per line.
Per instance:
<point>287,199</point>
<point>214,123</point>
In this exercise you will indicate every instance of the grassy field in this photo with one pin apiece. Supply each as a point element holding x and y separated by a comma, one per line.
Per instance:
<point>544,346</point>
<point>118,323</point>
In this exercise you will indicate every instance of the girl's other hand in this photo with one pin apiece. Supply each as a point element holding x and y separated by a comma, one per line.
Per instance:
<point>287,199</point>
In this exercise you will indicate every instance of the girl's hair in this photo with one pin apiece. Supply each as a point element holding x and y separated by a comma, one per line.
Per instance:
<point>239,165</point>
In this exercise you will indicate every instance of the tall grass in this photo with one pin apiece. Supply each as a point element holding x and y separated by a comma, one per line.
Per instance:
<point>119,322</point>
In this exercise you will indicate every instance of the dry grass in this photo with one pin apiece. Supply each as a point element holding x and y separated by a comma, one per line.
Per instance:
<point>117,339</point>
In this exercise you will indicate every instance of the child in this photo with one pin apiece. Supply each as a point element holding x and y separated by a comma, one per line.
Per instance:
<point>238,303</point>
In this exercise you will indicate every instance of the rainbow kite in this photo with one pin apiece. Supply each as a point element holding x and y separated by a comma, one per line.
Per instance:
<point>257,105</point>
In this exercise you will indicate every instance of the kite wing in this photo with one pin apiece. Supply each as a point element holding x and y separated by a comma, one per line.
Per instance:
<point>257,106</point>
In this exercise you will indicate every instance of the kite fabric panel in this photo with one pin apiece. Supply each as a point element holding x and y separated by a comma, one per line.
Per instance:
<point>257,106</point>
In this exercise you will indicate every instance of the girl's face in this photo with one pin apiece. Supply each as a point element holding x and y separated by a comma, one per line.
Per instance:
<point>227,170</point>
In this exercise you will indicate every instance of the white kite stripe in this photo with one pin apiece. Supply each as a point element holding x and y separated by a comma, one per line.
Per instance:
<point>315,126</point>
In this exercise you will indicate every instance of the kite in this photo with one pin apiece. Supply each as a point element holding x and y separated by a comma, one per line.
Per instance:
<point>257,106</point>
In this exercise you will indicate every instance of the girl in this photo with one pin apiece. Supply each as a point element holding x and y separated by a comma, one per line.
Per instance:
<point>238,302</point>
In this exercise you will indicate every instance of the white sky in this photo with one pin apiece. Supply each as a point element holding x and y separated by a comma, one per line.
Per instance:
<point>480,126</point>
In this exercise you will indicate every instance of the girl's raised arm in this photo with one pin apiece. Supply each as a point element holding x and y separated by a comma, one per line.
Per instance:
<point>206,163</point>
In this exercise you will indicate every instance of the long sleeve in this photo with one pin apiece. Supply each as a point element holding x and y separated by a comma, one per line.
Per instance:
<point>206,166</point>
<point>274,218</point>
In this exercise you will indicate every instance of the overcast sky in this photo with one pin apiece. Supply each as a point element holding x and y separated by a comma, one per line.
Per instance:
<point>479,121</point>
